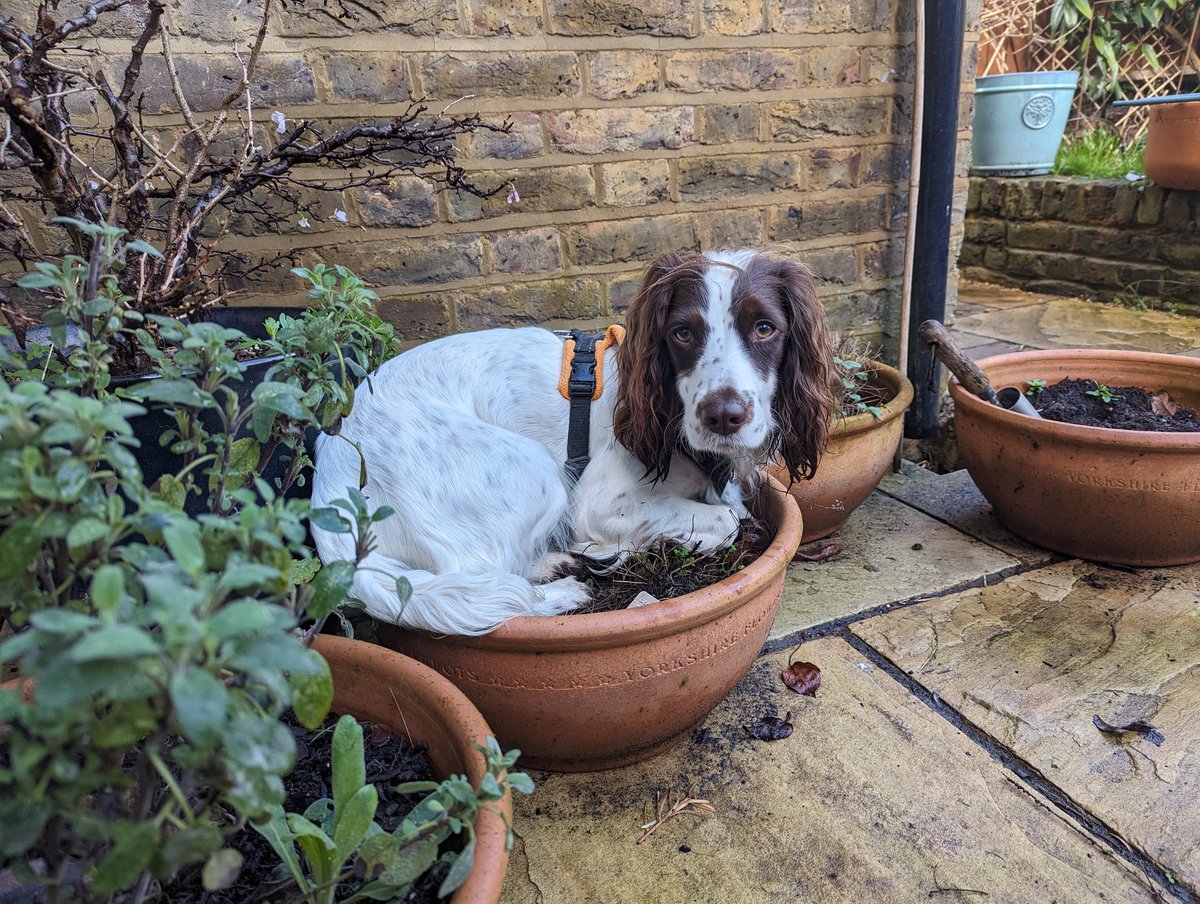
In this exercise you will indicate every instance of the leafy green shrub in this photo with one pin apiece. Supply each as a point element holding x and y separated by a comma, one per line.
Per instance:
<point>1109,34</point>
<point>163,646</point>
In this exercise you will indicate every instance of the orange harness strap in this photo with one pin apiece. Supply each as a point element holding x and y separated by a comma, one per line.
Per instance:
<point>614,335</point>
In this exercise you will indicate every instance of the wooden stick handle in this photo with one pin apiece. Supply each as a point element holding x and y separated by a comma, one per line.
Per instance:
<point>971,377</point>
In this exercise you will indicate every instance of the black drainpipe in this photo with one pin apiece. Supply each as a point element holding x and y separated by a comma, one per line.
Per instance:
<point>944,27</point>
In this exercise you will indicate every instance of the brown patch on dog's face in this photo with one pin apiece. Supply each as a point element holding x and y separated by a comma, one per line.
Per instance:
<point>759,318</point>
<point>686,330</point>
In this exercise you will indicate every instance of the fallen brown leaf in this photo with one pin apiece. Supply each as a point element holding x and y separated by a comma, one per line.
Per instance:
<point>802,677</point>
<point>1141,726</point>
<point>826,552</point>
<point>770,728</point>
<point>1162,403</point>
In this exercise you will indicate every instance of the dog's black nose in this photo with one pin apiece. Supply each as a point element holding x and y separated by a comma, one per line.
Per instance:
<point>724,412</point>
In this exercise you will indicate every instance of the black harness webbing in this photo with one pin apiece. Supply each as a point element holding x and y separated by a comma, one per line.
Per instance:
<point>581,386</point>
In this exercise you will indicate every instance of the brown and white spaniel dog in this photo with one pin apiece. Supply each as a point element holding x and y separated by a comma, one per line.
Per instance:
<point>726,365</point>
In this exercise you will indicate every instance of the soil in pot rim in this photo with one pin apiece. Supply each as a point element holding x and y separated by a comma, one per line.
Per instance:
<point>1083,402</point>
<point>670,569</point>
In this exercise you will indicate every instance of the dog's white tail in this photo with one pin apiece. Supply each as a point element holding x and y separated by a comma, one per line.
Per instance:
<point>447,603</point>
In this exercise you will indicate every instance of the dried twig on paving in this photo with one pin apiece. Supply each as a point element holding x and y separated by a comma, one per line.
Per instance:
<point>670,805</point>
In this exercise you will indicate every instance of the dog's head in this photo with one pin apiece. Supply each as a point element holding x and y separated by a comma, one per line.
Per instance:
<point>728,351</point>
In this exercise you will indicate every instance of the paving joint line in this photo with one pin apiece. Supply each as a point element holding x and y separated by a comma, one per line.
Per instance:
<point>1055,557</point>
<point>1091,825</point>
<point>838,625</point>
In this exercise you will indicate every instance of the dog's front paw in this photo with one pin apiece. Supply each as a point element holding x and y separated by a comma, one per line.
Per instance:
<point>719,533</point>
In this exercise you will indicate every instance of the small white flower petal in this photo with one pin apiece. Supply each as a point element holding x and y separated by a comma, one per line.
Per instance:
<point>513,196</point>
<point>304,224</point>
<point>339,215</point>
<point>280,121</point>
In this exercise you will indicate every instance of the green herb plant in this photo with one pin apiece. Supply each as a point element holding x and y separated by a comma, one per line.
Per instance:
<point>855,378</point>
<point>1103,393</point>
<point>853,374</point>
<point>337,839</point>
<point>1035,387</point>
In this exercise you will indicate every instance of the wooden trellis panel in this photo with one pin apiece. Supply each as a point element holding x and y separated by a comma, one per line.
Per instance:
<point>1014,36</point>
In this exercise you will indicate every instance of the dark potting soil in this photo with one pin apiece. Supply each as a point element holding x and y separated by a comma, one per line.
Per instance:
<point>390,760</point>
<point>1128,408</point>
<point>671,569</point>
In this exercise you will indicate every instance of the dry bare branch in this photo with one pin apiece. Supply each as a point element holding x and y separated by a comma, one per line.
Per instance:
<point>180,192</point>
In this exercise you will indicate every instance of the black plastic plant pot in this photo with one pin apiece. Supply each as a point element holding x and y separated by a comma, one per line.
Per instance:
<point>156,459</point>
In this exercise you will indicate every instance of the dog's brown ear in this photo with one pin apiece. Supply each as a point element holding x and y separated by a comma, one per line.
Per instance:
<point>804,401</point>
<point>648,410</point>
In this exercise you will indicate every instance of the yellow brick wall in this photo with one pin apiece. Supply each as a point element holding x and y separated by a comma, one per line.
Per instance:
<point>637,129</point>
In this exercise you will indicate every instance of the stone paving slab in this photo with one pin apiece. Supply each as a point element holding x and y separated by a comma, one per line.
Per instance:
<point>1033,659</point>
<point>873,798</point>
<point>955,499</point>
<point>974,295</point>
<point>1068,323</point>
<point>977,346</point>
<point>890,552</point>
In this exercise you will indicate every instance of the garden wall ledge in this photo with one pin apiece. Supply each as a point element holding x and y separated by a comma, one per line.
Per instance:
<point>1112,239</point>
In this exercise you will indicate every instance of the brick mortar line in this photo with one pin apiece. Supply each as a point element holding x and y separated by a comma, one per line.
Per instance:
<point>577,103</point>
<point>1085,258</point>
<point>1092,826</point>
<point>506,280</point>
<point>563,218</point>
<point>561,159</point>
<point>689,152</point>
<point>285,243</point>
<point>390,42</point>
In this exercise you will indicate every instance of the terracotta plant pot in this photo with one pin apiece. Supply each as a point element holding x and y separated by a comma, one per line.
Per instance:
<point>578,693</point>
<point>860,451</point>
<point>375,684</point>
<point>1173,145</point>
<point>1120,496</point>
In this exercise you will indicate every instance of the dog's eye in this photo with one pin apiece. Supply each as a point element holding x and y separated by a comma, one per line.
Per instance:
<point>682,334</point>
<point>764,329</point>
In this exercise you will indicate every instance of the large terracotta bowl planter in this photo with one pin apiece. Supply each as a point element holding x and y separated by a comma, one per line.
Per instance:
<point>577,693</point>
<point>375,684</point>
<point>1120,496</point>
<point>860,451</point>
